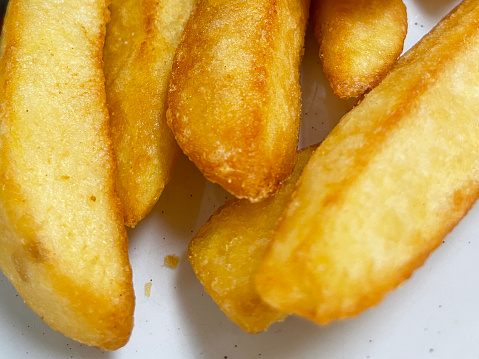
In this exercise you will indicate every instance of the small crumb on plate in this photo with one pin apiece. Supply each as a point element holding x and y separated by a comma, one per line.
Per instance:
<point>148,288</point>
<point>171,261</point>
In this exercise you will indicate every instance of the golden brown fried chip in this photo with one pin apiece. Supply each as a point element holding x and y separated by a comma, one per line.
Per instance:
<point>140,43</point>
<point>227,250</point>
<point>390,181</point>
<point>234,97</point>
<point>359,41</point>
<point>63,244</point>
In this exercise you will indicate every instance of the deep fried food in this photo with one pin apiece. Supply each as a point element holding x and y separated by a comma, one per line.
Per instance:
<point>140,43</point>
<point>226,252</point>
<point>390,181</point>
<point>63,244</point>
<point>234,98</point>
<point>359,41</point>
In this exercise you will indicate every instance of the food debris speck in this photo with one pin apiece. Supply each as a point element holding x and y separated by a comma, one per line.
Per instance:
<point>148,288</point>
<point>171,261</point>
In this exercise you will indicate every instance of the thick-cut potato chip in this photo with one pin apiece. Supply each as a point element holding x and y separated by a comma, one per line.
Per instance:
<point>63,244</point>
<point>390,181</point>
<point>227,250</point>
<point>140,43</point>
<point>234,98</point>
<point>359,41</point>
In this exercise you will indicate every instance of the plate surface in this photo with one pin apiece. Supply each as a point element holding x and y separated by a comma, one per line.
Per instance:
<point>433,315</point>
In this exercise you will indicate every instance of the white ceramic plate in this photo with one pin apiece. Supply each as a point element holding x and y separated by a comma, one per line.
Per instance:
<point>433,315</point>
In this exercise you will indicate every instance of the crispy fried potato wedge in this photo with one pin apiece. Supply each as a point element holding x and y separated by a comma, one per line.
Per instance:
<point>386,186</point>
<point>359,41</point>
<point>63,244</point>
<point>234,97</point>
<point>140,43</point>
<point>228,248</point>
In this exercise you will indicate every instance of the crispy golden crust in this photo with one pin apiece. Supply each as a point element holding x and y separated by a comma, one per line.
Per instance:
<point>140,43</point>
<point>391,180</point>
<point>226,252</point>
<point>63,244</point>
<point>234,98</point>
<point>359,41</point>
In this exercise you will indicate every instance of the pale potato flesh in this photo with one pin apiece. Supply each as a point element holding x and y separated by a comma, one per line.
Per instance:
<point>63,244</point>
<point>359,41</point>
<point>385,187</point>
<point>140,43</point>
<point>227,250</point>
<point>234,97</point>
